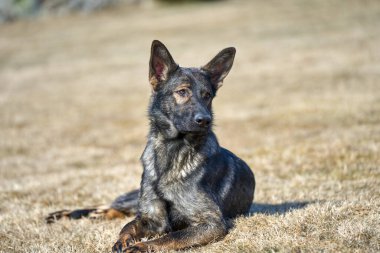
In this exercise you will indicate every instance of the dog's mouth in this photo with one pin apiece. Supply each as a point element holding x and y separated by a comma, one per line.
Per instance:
<point>189,128</point>
<point>192,135</point>
<point>195,132</point>
<point>198,131</point>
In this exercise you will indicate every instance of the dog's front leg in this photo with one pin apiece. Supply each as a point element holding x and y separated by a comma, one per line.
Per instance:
<point>131,231</point>
<point>192,236</point>
<point>150,221</point>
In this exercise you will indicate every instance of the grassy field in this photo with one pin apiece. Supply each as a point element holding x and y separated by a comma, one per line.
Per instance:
<point>301,106</point>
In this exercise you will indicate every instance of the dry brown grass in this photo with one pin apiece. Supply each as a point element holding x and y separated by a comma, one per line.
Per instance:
<point>301,106</point>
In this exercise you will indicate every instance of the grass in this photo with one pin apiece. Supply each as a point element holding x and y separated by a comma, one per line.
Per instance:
<point>301,106</point>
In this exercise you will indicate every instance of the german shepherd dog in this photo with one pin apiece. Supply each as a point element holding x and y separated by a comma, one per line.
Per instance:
<point>191,188</point>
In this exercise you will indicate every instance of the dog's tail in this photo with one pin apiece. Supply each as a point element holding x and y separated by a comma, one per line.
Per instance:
<point>122,206</point>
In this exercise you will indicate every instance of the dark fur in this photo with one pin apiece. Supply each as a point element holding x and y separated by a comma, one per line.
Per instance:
<point>191,188</point>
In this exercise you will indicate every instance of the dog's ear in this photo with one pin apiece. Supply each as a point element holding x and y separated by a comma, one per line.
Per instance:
<point>219,66</point>
<point>161,64</point>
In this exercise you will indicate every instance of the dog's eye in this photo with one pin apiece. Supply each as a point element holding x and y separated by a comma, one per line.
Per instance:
<point>182,92</point>
<point>207,95</point>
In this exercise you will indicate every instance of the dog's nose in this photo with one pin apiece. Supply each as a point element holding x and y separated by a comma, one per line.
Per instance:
<point>202,120</point>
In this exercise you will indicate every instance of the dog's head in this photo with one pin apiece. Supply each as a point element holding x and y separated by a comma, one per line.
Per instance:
<point>182,97</point>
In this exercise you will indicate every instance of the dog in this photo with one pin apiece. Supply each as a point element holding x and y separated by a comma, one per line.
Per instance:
<point>191,188</point>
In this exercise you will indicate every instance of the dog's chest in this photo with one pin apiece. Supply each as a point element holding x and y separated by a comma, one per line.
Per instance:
<point>182,164</point>
<point>168,164</point>
<point>172,192</point>
<point>180,197</point>
<point>173,173</point>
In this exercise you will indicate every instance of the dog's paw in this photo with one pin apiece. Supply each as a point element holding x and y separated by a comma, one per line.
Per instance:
<point>121,245</point>
<point>139,247</point>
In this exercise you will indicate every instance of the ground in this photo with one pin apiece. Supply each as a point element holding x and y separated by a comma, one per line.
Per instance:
<point>301,106</point>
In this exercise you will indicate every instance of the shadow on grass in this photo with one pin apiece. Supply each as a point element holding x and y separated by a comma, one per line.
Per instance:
<point>281,208</point>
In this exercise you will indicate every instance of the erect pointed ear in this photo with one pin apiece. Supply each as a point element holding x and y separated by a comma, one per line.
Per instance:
<point>161,64</point>
<point>220,65</point>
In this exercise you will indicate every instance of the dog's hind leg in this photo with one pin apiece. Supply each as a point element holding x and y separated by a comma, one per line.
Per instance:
<point>124,205</point>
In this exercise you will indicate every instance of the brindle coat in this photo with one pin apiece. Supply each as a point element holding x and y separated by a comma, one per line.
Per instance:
<point>191,188</point>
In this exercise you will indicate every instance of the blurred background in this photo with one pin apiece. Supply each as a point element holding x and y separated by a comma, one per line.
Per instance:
<point>301,106</point>
<point>16,9</point>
